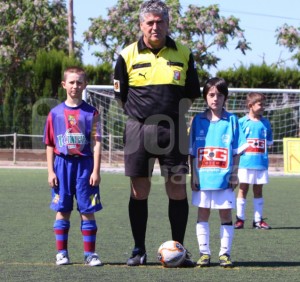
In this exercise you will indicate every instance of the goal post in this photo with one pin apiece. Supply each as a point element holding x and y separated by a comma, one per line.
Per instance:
<point>112,122</point>
<point>282,110</point>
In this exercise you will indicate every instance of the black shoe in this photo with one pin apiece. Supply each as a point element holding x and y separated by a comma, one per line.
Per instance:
<point>188,261</point>
<point>138,257</point>
<point>225,261</point>
<point>239,224</point>
<point>204,260</point>
<point>261,225</point>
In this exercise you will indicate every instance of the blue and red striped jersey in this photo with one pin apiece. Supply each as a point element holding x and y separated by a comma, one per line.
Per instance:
<point>71,130</point>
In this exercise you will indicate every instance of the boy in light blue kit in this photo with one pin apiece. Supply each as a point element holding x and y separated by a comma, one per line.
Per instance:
<point>254,163</point>
<point>216,142</point>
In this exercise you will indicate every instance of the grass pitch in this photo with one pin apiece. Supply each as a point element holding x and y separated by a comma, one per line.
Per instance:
<point>27,246</point>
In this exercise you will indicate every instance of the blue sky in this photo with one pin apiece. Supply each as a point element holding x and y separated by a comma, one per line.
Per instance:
<point>259,19</point>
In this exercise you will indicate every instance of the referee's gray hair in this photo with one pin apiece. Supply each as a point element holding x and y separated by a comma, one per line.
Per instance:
<point>154,7</point>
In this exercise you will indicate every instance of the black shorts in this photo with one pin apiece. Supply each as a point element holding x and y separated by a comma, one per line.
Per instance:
<point>165,140</point>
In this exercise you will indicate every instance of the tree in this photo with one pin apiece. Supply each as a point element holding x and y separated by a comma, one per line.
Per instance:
<point>27,26</point>
<point>112,34</point>
<point>289,37</point>
<point>201,28</point>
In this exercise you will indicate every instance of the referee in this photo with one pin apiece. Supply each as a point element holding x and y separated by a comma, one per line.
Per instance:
<point>156,81</point>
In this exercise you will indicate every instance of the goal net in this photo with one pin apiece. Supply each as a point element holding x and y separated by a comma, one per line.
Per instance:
<point>282,110</point>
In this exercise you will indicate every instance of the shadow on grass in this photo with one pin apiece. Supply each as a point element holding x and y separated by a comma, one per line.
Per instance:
<point>287,228</point>
<point>121,264</point>
<point>268,263</point>
<point>253,264</point>
<point>124,264</point>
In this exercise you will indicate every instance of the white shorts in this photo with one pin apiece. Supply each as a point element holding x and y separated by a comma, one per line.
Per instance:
<point>214,199</point>
<point>253,176</point>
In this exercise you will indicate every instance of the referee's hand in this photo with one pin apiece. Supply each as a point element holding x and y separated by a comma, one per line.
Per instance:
<point>233,181</point>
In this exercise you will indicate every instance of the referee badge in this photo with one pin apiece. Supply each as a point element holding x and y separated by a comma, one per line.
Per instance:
<point>176,75</point>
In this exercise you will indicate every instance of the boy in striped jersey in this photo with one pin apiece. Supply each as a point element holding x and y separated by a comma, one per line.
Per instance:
<point>73,145</point>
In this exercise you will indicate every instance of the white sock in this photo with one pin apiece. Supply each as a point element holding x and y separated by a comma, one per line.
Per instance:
<point>241,204</point>
<point>258,207</point>
<point>202,232</point>
<point>226,236</point>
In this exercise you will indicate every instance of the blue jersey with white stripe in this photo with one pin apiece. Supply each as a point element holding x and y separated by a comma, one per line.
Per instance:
<point>213,145</point>
<point>259,137</point>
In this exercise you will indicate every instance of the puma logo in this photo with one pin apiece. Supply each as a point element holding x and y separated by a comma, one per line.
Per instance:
<point>143,75</point>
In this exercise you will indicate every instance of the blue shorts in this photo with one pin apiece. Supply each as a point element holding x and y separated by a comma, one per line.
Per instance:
<point>73,174</point>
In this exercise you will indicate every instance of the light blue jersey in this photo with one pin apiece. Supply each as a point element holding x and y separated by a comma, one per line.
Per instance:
<point>259,137</point>
<point>213,145</point>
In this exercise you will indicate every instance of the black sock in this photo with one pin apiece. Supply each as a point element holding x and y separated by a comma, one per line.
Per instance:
<point>138,215</point>
<point>227,223</point>
<point>178,216</point>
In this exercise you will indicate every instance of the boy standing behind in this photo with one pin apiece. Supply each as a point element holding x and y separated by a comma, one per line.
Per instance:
<point>253,167</point>
<point>216,142</point>
<point>72,137</point>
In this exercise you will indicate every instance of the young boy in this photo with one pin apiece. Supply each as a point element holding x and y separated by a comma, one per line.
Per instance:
<point>72,137</point>
<point>253,167</point>
<point>216,141</point>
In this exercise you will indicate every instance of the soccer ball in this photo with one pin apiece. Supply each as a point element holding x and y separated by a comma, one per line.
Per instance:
<point>171,254</point>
